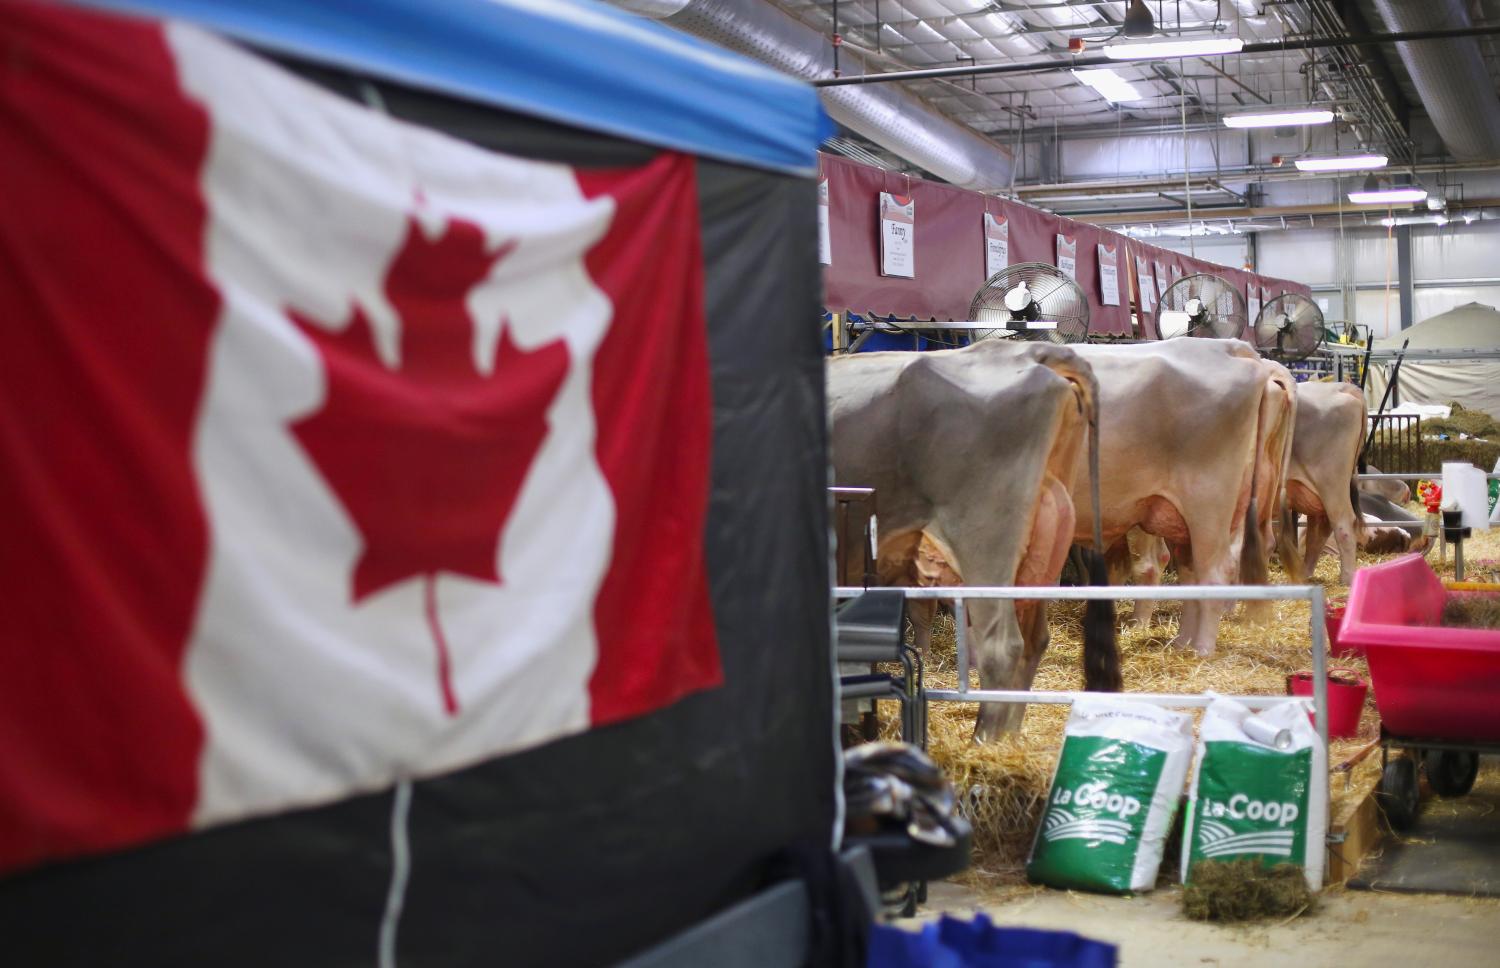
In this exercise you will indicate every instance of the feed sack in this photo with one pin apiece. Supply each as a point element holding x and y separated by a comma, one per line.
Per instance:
<point>1113,796</point>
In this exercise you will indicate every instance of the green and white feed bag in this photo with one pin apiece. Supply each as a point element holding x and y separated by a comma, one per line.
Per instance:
<point>1119,777</point>
<point>1259,790</point>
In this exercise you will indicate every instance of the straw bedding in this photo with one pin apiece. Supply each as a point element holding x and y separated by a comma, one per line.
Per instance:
<point>1243,890</point>
<point>1002,786</point>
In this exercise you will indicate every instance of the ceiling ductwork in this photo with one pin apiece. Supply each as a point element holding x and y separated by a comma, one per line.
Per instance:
<point>1447,75</point>
<point>892,118</point>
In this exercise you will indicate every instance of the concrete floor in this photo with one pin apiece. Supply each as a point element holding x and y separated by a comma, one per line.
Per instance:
<point>1350,929</point>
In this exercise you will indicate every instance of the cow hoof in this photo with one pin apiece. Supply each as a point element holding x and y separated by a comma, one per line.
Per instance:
<point>1204,651</point>
<point>1181,641</point>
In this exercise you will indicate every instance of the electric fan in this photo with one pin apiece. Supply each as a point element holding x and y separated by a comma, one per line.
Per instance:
<point>1201,305</point>
<point>1031,301</point>
<point>1290,328</point>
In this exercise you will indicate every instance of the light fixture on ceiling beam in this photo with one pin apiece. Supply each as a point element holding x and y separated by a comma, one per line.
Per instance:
<point>1108,83</point>
<point>1138,21</point>
<point>1343,163</point>
<point>1173,47</point>
<point>1295,117</point>
<point>1401,194</point>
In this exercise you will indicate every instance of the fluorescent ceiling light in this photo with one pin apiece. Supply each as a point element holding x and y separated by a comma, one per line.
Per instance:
<point>1183,231</point>
<point>1174,47</point>
<point>1388,196</point>
<point>1343,163</point>
<point>1278,119</point>
<point>1109,84</point>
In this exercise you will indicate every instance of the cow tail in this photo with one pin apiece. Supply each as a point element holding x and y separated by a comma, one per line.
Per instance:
<point>1101,652</point>
<point>1286,544</point>
<point>1253,570</point>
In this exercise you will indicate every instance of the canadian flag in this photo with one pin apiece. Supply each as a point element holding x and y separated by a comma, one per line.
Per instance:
<point>336,451</point>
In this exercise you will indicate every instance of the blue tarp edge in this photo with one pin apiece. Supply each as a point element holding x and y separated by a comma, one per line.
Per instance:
<point>576,62</point>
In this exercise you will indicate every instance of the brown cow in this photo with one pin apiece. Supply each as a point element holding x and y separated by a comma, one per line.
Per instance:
<point>1325,448</point>
<point>1185,425</point>
<point>974,449</point>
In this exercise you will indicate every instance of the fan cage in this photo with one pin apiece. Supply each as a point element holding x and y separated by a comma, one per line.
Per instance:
<point>1058,300</point>
<point>1226,315</point>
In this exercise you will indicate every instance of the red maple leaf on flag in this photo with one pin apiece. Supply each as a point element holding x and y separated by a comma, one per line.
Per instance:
<point>428,457</point>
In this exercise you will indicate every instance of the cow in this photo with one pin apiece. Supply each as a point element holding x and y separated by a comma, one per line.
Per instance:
<point>1143,559</point>
<point>974,449</point>
<point>1325,449</point>
<point>1187,429</point>
<point>1396,492</point>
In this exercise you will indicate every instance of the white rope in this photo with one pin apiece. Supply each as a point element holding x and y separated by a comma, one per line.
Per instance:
<point>395,898</point>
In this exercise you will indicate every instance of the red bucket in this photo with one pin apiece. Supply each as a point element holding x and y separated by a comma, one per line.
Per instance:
<point>1346,699</point>
<point>1333,619</point>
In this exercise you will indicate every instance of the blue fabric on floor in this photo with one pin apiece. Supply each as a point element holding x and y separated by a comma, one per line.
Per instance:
<point>954,943</point>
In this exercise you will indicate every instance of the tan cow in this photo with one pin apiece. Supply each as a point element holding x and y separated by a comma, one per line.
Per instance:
<point>1187,427</point>
<point>974,448</point>
<point>1396,492</point>
<point>1325,449</point>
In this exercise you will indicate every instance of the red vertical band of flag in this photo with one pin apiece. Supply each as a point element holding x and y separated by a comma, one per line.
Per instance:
<point>654,410</point>
<point>106,316</point>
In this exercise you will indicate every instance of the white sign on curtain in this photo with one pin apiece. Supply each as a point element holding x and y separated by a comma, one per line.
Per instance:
<point>898,223</point>
<point>1254,301</point>
<point>1163,280</point>
<point>1146,282</point>
<point>1109,274</point>
<point>825,244</point>
<point>1067,256</point>
<point>996,244</point>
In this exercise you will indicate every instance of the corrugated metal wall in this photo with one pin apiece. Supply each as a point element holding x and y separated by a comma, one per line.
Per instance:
<point>1451,265</point>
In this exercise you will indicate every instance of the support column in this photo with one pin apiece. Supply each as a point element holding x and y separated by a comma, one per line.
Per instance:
<point>1403,273</point>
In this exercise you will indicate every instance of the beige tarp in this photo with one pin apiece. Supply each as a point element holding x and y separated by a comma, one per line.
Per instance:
<point>1475,384</point>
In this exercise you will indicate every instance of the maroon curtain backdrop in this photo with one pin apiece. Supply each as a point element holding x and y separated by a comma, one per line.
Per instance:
<point>949,251</point>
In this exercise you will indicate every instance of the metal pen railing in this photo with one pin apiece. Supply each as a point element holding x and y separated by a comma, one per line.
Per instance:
<point>1313,594</point>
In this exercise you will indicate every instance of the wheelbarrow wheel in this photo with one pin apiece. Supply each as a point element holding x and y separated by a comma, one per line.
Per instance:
<point>1397,794</point>
<point>1451,772</point>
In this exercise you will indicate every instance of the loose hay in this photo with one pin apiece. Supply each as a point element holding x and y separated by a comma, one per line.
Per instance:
<point>1243,890</point>
<point>1472,612</point>
<point>1002,787</point>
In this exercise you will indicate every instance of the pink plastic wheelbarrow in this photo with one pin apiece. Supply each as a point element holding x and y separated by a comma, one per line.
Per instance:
<point>1437,689</point>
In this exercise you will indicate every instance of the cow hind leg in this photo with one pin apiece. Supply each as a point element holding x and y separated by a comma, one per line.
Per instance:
<point>1344,539</point>
<point>920,612</point>
<point>999,649</point>
<point>1205,634</point>
<point>1149,561</point>
<point>1317,536</point>
<point>1253,566</point>
<point>1187,621</point>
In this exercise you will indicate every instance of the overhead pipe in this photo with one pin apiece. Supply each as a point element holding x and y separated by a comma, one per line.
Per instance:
<point>1221,213</point>
<point>1101,60</point>
<point>897,120</point>
<point>1450,77</point>
<point>1255,173</point>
